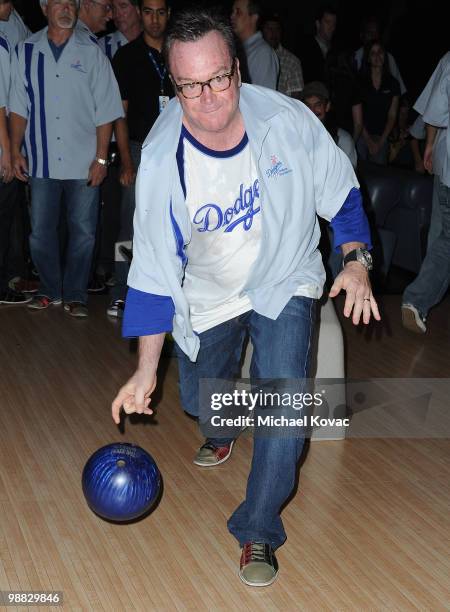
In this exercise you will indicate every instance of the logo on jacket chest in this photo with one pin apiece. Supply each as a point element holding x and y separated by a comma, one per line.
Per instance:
<point>212,217</point>
<point>78,66</point>
<point>277,168</point>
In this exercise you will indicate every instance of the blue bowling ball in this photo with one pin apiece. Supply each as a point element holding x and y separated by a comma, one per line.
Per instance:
<point>121,482</point>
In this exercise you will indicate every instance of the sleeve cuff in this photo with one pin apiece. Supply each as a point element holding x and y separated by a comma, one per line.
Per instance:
<point>147,314</point>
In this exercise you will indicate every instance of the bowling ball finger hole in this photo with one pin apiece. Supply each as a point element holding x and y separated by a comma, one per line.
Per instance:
<point>121,463</point>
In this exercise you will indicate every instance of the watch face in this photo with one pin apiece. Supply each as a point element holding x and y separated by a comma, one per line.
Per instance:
<point>365,258</point>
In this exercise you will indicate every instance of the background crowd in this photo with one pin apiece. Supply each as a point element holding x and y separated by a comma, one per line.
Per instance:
<point>75,149</point>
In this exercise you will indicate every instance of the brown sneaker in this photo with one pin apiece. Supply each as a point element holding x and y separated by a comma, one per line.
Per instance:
<point>76,309</point>
<point>258,566</point>
<point>209,455</point>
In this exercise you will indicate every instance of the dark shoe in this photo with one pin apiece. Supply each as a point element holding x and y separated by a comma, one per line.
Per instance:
<point>413,319</point>
<point>209,455</point>
<point>258,566</point>
<point>14,297</point>
<point>116,308</point>
<point>41,302</point>
<point>110,280</point>
<point>96,285</point>
<point>76,309</point>
<point>23,285</point>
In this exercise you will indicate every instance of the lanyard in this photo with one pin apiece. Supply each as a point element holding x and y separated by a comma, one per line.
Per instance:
<point>161,73</point>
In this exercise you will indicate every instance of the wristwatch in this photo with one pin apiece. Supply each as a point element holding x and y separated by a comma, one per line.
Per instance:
<point>362,256</point>
<point>102,162</point>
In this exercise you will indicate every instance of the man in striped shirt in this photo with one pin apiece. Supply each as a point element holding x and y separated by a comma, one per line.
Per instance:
<point>64,98</point>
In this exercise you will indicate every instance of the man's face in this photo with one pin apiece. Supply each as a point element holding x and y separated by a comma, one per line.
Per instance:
<point>100,12</point>
<point>241,21</point>
<point>5,10</point>
<point>197,62</point>
<point>155,15</point>
<point>371,32</point>
<point>326,26</point>
<point>125,15</point>
<point>319,106</point>
<point>272,33</point>
<point>61,14</point>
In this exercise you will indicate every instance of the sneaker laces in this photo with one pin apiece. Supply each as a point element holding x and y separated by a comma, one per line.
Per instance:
<point>258,552</point>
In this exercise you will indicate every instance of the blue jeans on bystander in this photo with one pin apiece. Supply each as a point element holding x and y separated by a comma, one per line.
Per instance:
<point>81,205</point>
<point>433,279</point>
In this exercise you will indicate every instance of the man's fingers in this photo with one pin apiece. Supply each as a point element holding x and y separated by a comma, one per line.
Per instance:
<point>374,308</point>
<point>336,287</point>
<point>367,308</point>
<point>117,404</point>
<point>349,302</point>
<point>139,398</point>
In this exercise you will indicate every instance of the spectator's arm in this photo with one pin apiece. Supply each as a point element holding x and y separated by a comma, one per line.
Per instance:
<point>18,125</point>
<point>391,119</point>
<point>357,116</point>
<point>418,161</point>
<point>127,170</point>
<point>97,171</point>
<point>6,173</point>
<point>428,153</point>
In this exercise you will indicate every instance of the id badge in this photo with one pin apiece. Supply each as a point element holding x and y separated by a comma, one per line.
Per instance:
<point>163,102</point>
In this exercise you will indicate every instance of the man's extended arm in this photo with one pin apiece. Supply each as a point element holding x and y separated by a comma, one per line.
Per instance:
<point>134,396</point>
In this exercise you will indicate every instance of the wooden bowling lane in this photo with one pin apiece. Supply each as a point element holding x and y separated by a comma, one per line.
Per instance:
<point>368,529</point>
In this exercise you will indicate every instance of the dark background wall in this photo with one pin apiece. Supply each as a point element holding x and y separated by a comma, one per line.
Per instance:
<point>417,32</point>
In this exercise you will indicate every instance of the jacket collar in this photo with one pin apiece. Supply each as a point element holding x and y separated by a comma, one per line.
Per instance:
<point>40,39</point>
<point>257,105</point>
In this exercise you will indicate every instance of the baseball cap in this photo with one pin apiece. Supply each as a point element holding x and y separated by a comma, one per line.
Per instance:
<point>315,88</point>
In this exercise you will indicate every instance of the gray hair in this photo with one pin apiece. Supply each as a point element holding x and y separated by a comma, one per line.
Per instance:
<point>45,2</point>
<point>191,24</point>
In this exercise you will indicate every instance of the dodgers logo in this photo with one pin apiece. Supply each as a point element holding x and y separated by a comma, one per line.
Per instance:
<point>277,168</point>
<point>78,66</point>
<point>211,217</point>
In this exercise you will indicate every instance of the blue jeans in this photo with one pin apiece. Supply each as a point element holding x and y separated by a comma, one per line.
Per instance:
<point>433,279</point>
<point>281,350</point>
<point>436,215</point>
<point>127,208</point>
<point>81,205</point>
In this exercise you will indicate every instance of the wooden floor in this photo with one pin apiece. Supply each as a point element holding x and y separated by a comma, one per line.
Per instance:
<point>368,530</point>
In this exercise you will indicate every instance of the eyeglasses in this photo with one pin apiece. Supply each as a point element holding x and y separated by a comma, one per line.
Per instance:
<point>107,7</point>
<point>217,84</point>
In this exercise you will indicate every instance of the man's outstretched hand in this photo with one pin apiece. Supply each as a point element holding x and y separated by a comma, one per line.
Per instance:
<point>135,395</point>
<point>354,280</point>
